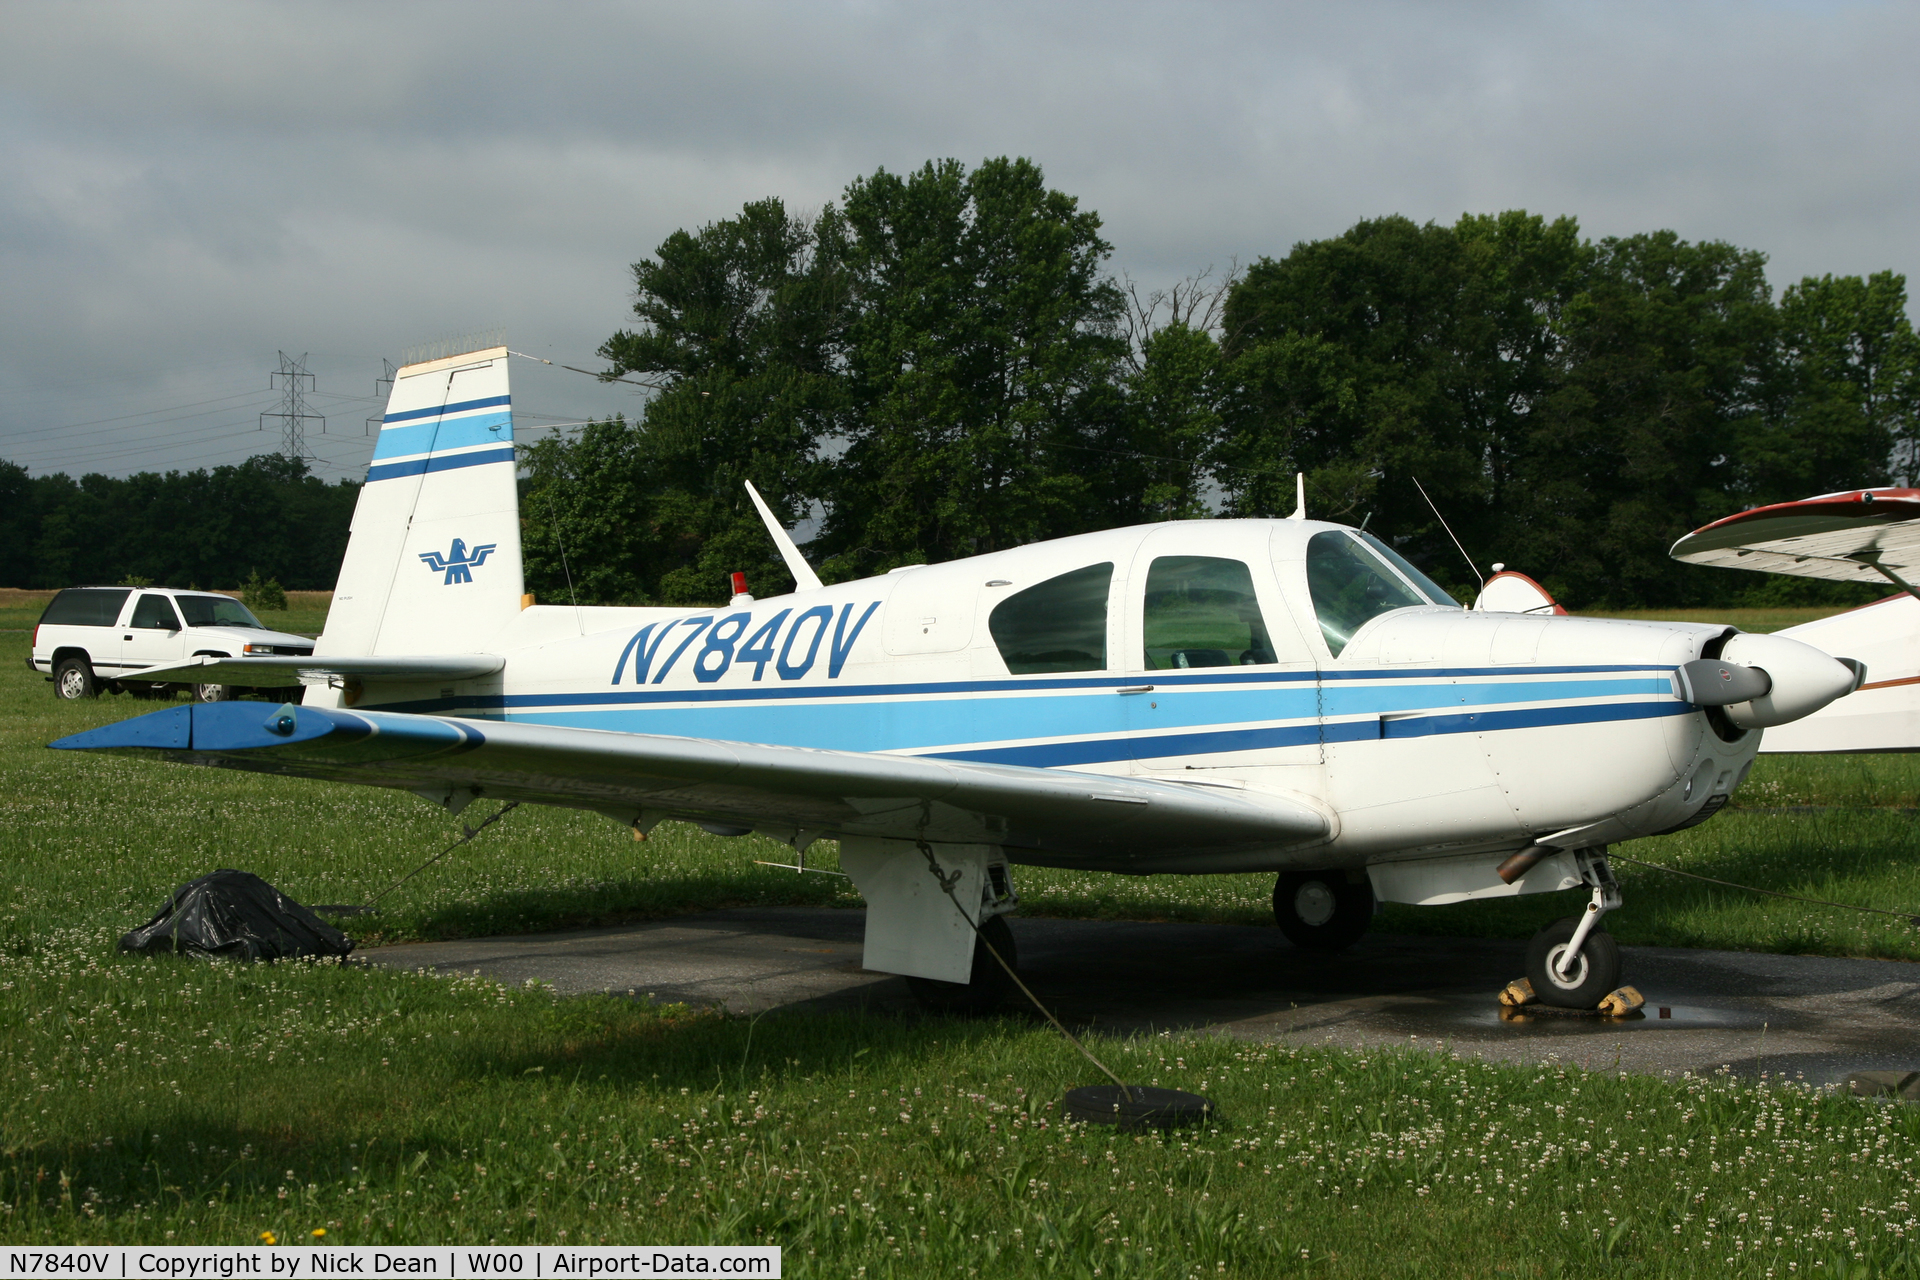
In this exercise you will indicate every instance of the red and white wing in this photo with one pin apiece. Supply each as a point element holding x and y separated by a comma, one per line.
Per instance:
<point>1841,537</point>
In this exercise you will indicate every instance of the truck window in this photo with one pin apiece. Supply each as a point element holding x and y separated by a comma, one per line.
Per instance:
<point>217,611</point>
<point>1350,587</point>
<point>85,607</point>
<point>1201,612</point>
<point>1056,625</point>
<point>155,613</point>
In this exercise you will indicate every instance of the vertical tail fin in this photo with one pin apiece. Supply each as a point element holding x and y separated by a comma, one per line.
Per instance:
<point>433,562</point>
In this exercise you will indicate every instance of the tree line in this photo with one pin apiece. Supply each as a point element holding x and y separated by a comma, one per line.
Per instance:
<point>940,364</point>
<point>266,518</point>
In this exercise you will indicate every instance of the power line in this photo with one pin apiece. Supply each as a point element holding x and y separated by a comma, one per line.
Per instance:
<point>143,413</point>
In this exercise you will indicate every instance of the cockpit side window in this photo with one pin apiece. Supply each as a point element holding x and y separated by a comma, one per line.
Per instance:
<point>1350,587</point>
<point>1201,612</point>
<point>1056,625</point>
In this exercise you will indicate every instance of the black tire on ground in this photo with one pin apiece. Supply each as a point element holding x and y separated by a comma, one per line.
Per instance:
<point>987,988</point>
<point>73,679</point>
<point>1138,1107</point>
<point>1322,910</point>
<point>215,693</point>
<point>1595,973</point>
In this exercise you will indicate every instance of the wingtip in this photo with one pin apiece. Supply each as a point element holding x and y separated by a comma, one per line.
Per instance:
<point>169,730</point>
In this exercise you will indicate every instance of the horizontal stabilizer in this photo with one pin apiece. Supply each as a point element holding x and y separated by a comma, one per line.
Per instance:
<point>1140,824</point>
<point>258,673</point>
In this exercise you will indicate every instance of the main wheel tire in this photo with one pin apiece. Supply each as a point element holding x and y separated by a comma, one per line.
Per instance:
<point>1322,910</point>
<point>1595,973</point>
<point>73,679</point>
<point>214,693</point>
<point>987,987</point>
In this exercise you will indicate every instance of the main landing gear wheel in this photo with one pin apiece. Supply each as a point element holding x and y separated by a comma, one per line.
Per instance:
<point>73,679</point>
<point>1322,910</point>
<point>986,988</point>
<point>1594,973</point>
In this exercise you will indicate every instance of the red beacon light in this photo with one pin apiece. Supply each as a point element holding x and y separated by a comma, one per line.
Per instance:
<point>740,595</point>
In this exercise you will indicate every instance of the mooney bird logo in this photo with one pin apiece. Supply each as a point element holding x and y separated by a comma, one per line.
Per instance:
<point>458,563</point>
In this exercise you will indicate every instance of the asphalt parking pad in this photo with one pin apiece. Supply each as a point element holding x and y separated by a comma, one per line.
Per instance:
<point>1796,1015</point>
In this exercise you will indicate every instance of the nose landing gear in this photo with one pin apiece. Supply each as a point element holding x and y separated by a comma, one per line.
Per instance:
<point>1573,963</point>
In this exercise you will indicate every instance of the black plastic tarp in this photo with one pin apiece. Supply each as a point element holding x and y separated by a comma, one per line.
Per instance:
<point>237,915</point>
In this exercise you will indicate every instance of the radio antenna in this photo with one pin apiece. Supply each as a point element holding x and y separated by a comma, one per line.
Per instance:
<point>1478,576</point>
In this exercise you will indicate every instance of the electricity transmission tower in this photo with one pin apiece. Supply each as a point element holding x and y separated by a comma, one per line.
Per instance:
<point>382,388</point>
<point>293,415</point>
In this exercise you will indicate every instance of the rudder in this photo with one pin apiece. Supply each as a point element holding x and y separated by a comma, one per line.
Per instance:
<point>433,560</point>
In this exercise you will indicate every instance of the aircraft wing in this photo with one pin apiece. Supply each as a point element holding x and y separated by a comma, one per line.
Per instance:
<point>267,672</point>
<point>1057,816</point>
<point>1842,537</point>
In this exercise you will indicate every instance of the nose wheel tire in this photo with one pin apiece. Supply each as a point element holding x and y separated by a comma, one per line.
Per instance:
<point>986,988</point>
<point>1322,910</point>
<point>73,679</point>
<point>1594,973</point>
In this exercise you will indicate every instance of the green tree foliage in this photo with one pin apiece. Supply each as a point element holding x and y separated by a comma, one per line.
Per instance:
<point>939,366</point>
<point>980,354</point>
<point>207,527</point>
<point>738,333</point>
<point>1573,408</point>
<point>1847,391</point>
<point>1667,351</point>
<point>1392,354</point>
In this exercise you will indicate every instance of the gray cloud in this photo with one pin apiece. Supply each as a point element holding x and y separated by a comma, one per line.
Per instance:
<point>186,189</point>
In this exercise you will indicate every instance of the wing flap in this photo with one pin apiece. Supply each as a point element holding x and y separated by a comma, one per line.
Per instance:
<point>1061,813</point>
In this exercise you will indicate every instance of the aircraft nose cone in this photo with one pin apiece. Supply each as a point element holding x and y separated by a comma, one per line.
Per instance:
<point>1803,679</point>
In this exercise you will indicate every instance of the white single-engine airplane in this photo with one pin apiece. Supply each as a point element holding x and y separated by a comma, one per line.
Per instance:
<point>1199,697</point>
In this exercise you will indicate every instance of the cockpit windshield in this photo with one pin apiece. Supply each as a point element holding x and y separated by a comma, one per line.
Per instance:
<point>217,611</point>
<point>1421,582</point>
<point>1351,586</point>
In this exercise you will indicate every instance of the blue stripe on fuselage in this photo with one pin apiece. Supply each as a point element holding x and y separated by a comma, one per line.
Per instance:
<point>1178,719</point>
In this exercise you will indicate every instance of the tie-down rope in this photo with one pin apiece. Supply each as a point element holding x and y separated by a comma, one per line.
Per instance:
<point>1908,916</point>
<point>947,880</point>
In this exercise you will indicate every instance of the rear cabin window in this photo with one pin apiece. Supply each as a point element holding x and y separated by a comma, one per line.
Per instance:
<point>85,607</point>
<point>1056,625</point>
<point>1201,612</point>
<point>217,611</point>
<point>1351,586</point>
<point>154,613</point>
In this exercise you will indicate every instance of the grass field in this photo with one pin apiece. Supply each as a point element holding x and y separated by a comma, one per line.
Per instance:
<point>163,1101</point>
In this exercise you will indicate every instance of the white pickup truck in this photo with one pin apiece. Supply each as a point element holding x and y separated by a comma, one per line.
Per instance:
<point>94,638</point>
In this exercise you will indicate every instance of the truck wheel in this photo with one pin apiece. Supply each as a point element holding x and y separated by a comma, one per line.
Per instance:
<point>214,693</point>
<point>73,679</point>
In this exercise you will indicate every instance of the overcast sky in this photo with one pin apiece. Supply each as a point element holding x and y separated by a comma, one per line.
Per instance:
<point>187,189</point>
